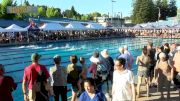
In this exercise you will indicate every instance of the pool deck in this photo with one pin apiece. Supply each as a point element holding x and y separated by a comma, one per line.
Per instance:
<point>154,95</point>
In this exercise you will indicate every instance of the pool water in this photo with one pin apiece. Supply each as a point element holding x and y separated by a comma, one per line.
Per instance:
<point>16,58</point>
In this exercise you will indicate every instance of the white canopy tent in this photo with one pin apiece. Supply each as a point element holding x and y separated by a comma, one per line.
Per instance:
<point>15,28</point>
<point>95,26</point>
<point>52,27</point>
<point>75,26</point>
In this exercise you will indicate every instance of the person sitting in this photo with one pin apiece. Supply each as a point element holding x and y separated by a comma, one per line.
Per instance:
<point>7,85</point>
<point>90,94</point>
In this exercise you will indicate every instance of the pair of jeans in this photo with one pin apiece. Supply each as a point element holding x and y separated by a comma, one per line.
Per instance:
<point>60,90</point>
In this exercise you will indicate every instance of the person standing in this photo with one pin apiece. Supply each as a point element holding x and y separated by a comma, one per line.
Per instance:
<point>83,74</point>
<point>74,71</point>
<point>7,86</point>
<point>58,76</point>
<point>36,78</point>
<point>151,53</point>
<point>143,63</point>
<point>129,55</point>
<point>163,74</point>
<point>123,82</point>
<point>176,69</point>
<point>90,94</point>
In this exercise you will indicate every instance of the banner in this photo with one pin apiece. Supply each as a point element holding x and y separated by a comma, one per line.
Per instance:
<point>21,9</point>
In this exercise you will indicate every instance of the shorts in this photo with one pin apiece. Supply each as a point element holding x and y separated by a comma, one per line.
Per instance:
<point>163,82</point>
<point>150,71</point>
<point>143,73</point>
<point>75,87</point>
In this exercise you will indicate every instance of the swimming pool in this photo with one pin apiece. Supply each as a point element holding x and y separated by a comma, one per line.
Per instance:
<point>17,58</point>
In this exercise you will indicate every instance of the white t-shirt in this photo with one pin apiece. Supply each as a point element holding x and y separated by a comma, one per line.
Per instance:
<point>122,85</point>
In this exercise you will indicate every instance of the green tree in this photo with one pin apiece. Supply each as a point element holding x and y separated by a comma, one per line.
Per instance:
<point>4,5</point>
<point>67,13</point>
<point>95,14</point>
<point>172,8</point>
<point>42,11</point>
<point>26,3</point>
<point>143,11</point>
<point>0,12</point>
<point>73,11</point>
<point>163,9</point>
<point>52,12</point>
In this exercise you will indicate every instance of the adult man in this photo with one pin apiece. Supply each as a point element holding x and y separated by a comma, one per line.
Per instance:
<point>35,77</point>
<point>125,56</point>
<point>59,79</point>
<point>129,56</point>
<point>123,82</point>
<point>7,85</point>
<point>151,54</point>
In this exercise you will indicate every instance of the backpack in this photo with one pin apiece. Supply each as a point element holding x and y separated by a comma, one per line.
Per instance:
<point>41,86</point>
<point>102,71</point>
<point>73,76</point>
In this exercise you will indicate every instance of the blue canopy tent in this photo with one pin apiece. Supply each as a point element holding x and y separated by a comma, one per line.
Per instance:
<point>32,28</point>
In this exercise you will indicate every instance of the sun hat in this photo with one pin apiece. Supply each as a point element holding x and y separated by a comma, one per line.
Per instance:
<point>104,53</point>
<point>162,55</point>
<point>35,56</point>
<point>95,57</point>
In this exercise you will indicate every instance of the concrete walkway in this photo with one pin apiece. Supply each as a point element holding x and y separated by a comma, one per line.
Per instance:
<point>154,95</point>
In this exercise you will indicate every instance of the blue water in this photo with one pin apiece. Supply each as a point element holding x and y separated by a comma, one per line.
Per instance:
<point>17,58</point>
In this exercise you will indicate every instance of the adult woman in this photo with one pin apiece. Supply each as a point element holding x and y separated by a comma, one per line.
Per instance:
<point>90,94</point>
<point>123,83</point>
<point>73,71</point>
<point>163,73</point>
<point>143,62</point>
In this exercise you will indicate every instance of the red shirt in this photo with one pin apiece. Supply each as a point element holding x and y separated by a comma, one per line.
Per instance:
<point>31,74</point>
<point>7,85</point>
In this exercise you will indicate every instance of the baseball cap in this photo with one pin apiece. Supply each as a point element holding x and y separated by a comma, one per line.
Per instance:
<point>35,56</point>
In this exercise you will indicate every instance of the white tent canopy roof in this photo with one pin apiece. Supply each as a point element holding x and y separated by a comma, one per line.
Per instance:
<point>94,26</point>
<point>15,28</point>
<point>75,26</point>
<point>52,27</point>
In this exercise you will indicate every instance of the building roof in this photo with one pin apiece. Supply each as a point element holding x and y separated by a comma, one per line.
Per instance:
<point>6,23</point>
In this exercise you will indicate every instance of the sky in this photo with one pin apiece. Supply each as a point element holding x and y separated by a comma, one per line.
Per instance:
<point>89,6</point>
